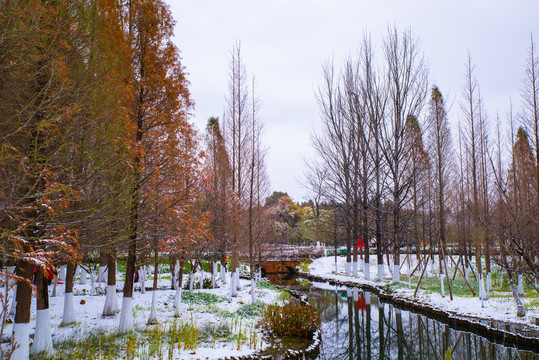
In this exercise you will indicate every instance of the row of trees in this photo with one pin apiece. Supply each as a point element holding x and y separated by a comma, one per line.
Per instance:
<point>388,163</point>
<point>97,157</point>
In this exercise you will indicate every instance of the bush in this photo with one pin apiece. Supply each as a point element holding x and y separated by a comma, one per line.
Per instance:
<point>303,266</point>
<point>291,320</point>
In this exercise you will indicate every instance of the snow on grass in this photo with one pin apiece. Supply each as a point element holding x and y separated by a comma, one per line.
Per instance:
<point>224,328</point>
<point>500,305</point>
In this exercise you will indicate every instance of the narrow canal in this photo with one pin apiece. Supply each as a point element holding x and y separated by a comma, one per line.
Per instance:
<point>357,325</point>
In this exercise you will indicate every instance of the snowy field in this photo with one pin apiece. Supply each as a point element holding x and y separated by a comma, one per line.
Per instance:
<point>499,307</point>
<point>88,315</point>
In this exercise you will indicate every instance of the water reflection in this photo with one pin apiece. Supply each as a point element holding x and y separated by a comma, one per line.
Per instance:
<point>355,325</point>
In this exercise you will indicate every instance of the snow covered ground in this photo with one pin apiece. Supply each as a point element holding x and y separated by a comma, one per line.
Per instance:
<point>88,315</point>
<point>495,308</point>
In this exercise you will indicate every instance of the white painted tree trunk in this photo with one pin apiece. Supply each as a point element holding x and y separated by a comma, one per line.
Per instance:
<point>173,281</point>
<point>13,306</point>
<point>62,274</point>
<point>520,287</point>
<point>367,270</point>
<point>233,287</point>
<point>238,284</point>
<point>223,274</point>
<point>176,276</point>
<point>42,338</point>
<point>482,293</point>
<point>177,301</point>
<point>521,311</point>
<point>253,291</point>
<point>191,280</point>
<point>367,299</point>
<point>489,284</point>
<point>177,297</point>
<point>467,273</point>
<point>213,275</point>
<point>356,294</point>
<point>354,268</point>
<point>101,274</point>
<point>201,278</point>
<point>361,265</point>
<point>21,341</point>
<point>336,267</point>
<point>380,272</point>
<point>396,272</point>
<point>142,279</point>
<point>92,282</point>
<point>126,316</point>
<point>82,280</point>
<point>69,314</point>
<point>153,313</point>
<point>348,267</point>
<point>442,287</point>
<point>111,301</point>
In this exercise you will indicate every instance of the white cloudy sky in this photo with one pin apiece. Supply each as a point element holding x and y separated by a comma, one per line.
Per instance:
<point>285,42</point>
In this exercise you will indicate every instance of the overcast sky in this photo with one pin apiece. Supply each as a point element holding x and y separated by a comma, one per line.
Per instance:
<point>285,42</point>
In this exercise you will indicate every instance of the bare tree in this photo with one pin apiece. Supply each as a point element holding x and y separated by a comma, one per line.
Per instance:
<point>407,84</point>
<point>472,133</point>
<point>237,133</point>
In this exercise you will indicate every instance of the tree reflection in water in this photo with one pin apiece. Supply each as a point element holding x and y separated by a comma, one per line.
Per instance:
<point>355,325</point>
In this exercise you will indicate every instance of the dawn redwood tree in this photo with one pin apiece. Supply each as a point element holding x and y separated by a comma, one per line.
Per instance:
<point>257,189</point>
<point>530,119</point>
<point>472,133</point>
<point>407,81</point>
<point>334,145</point>
<point>375,99</point>
<point>160,105</point>
<point>530,111</point>
<point>220,188</point>
<point>43,82</point>
<point>419,173</point>
<point>440,143</point>
<point>237,133</point>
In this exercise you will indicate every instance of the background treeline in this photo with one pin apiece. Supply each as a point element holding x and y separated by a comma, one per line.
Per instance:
<point>404,172</point>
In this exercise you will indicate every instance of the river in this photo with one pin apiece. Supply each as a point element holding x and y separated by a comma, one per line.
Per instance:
<point>357,325</point>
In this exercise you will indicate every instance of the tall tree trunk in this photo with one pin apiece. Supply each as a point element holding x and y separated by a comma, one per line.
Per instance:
<point>21,327</point>
<point>153,313</point>
<point>42,339</point>
<point>111,300</point>
<point>69,314</point>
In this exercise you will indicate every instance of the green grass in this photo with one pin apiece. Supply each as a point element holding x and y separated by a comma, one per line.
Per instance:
<point>151,343</point>
<point>265,285</point>
<point>201,298</point>
<point>250,310</point>
<point>459,287</point>
<point>531,305</point>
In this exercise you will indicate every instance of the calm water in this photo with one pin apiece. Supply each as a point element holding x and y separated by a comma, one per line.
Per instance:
<point>356,325</point>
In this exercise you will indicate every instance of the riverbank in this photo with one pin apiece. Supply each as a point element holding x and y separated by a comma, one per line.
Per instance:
<point>206,325</point>
<point>495,318</point>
